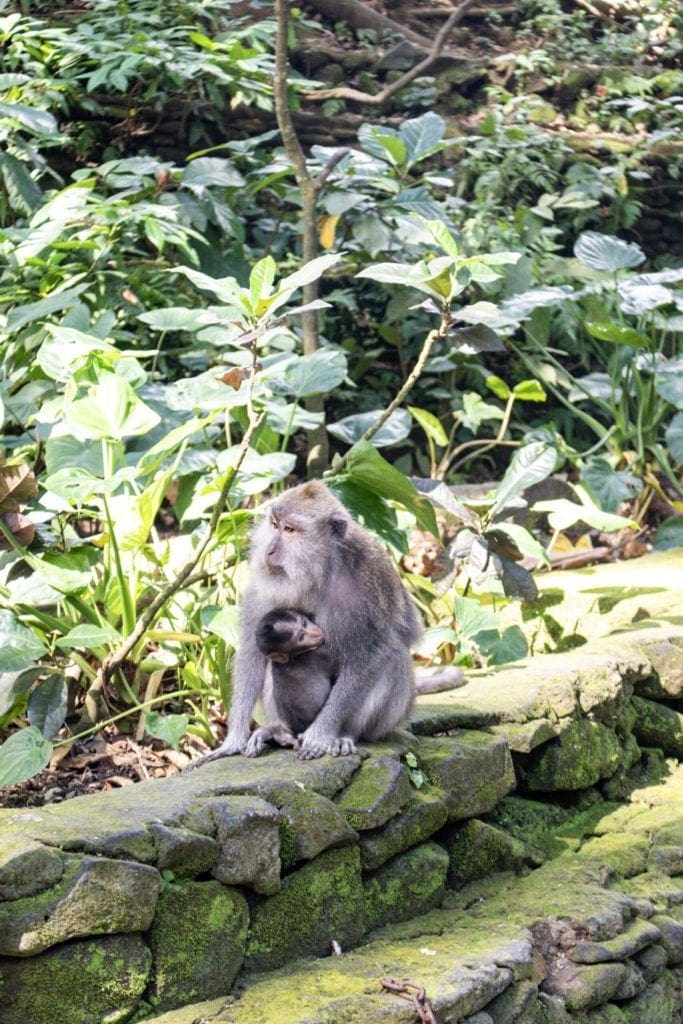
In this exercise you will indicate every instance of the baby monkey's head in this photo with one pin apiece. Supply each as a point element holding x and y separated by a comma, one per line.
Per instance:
<point>285,633</point>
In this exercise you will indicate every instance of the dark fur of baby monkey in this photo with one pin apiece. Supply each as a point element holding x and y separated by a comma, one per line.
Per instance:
<point>299,680</point>
<point>308,554</point>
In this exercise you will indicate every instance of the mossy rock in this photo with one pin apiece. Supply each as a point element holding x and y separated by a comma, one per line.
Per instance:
<point>423,815</point>
<point>473,769</point>
<point>321,902</point>
<point>197,940</point>
<point>376,793</point>
<point>476,848</point>
<point>584,753</point>
<point>659,726</point>
<point>27,867</point>
<point>81,982</point>
<point>407,885</point>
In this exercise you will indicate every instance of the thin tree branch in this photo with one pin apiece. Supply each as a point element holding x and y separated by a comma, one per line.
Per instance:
<point>344,93</point>
<point>412,378</point>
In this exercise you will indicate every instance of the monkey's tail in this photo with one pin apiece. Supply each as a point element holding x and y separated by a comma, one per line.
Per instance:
<point>434,680</point>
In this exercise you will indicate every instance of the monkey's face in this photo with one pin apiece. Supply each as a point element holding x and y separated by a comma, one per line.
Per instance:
<point>285,633</point>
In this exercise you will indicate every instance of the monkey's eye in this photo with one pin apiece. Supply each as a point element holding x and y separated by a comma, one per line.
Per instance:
<point>288,529</point>
<point>300,638</point>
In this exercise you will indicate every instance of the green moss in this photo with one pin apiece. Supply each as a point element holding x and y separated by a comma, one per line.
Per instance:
<point>197,940</point>
<point>77,982</point>
<point>406,886</point>
<point>476,848</point>
<point>582,755</point>
<point>320,902</point>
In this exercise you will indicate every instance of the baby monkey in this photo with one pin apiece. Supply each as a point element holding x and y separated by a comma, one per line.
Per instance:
<point>298,681</point>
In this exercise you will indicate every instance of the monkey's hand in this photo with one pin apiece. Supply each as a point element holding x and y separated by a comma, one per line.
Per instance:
<point>257,742</point>
<point>313,746</point>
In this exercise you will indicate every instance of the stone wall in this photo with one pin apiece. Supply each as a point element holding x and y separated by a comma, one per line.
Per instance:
<point>523,865</point>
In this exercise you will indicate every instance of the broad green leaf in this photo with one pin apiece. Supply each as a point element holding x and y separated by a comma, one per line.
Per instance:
<point>141,513</point>
<point>432,426</point>
<point>471,617</point>
<point>563,513</point>
<point>470,341</point>
<point>19,316</point>
<point>442,237</point>
<point>56,355</point>
<point>441,496</point>
<point>529,465</point>
<point>261,280</point>
<point>89,637</point>
<point>674,437</point>
<point>310,272</point>
<point>222,621</point>
<point>606,253</point>
<point>206,392</point>
<point>432,639</point>
<point>594,385</point>
<point>47,705</point>
<point>68,571</point>
<point>393,147</point>
<point>257,472</point>
<point>289,416</point>
<point>14,684</point>
<point>22,190</point>
<point>641,298</point>
<point>522,305</point>
<point>422,136</point>
<point>366,467</point>
<point>23,755</point>
<point>529,391</point>
<point>476,411</point>
<point>669,534</point>
<point>617,333</point>
<point>111,410</point>
<point>178,318</point>
<point>670,387</point>
<point>608,486</point>
<point>227,289</point>
<point>351,428</point>
<point>502,648</point>
<point>315,374</point>
<point>20,647</point>
<point>37,121</point>
<point>211,170</point>
<point>168,728</point>
<point>499,388</point>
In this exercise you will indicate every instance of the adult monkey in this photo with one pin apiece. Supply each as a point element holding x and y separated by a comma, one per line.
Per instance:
<point>309,554</point>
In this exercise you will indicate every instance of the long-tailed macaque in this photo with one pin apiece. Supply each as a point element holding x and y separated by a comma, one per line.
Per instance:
<point>309,554</point>
<point>298,682</point>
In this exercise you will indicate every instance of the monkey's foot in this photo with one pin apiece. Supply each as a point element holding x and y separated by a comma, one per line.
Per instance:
<point>337,746</point>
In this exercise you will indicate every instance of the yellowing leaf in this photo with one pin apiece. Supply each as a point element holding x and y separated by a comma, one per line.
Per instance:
<point>326,229</point>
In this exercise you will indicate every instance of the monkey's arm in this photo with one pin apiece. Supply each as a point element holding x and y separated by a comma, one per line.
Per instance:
<point>247,685</point>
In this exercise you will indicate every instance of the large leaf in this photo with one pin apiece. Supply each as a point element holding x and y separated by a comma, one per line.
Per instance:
<point>470,341</point>
<point>372,512</point>
<point>616,333</point>
<point>422,136</point>
<point>522,305</point>
<point>14,684</point>
<point>674,437</point>
<point>641,298</point>
<point>669,535</point>
<point>366,467</point>
<point>168,728</point>
<point>222,621</point>
<point>607,253</point>
<point>316,374</point>
<point>19,316</point>
<point>111,410</point>
<point>88,637</point>
<point>23,755</point>
<point>670,387</point>
<point>68,571</point>
<point>47,705</point>
<point>609,486</point>
<point>563,513</point>
<point>19,646</point>
<point>502,648</point>
<point>529,465</point>
<point>211,170</point>
<point>471,617</point>
<point>310,272</point>
<point>351,428</point>
<point>441,496</point>
<point>431,424</point>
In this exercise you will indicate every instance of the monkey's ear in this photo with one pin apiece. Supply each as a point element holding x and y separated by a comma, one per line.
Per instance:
<point>339,526</point>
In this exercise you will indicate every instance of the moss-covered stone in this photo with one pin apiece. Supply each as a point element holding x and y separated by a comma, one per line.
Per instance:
<point>27,867</point>
<point>666,680</point>
<point>423,815</point>
<point>660,1002</point>
<point>376,793</point>
<point>197,940</point>
<point>632,940</point>
<point>519,1004</point>
<point>94,897</point>
<point>651,962</point>
<point>313,824</point>
<point>321,902</point>
<point>473,769</point>
<point>476,848</point>
<point>584,753</point>
<point>607,1014</point>
<point>672,937</point>
<point>582,988</point>
<point>248,833</point>
<point>407,885</point>
<point>525,737</point>
<point>659,726</point>
<point>88,981</point>
<point>183,852</point>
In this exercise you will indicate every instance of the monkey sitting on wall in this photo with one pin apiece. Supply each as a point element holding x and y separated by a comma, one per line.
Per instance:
<point>308,553</point>
<point>298,681</point>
